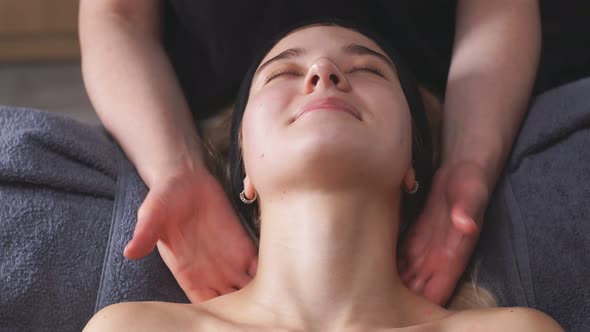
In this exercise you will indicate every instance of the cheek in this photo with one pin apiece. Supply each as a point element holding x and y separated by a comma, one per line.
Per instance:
<point>269,108</point>
<point>263,119</point>
<point>254,130</point>
<point>391,120</point>
<point>267,104</point>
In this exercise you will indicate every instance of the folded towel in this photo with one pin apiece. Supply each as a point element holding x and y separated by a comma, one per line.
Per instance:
<point>123,280</point>
<point>534,248</point>
<point>57,181</point>
<point>68,204</point>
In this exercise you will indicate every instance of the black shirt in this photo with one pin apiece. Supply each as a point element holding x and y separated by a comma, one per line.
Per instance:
<point>212,43</point>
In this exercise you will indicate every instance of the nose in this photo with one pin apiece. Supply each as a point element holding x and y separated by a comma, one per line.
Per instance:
<point>324,74</point>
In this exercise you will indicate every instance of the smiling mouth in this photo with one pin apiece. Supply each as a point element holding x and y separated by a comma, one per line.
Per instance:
<point>328,104</point>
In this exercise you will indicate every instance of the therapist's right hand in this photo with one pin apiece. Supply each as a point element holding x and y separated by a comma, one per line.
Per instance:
<point>190,219</point>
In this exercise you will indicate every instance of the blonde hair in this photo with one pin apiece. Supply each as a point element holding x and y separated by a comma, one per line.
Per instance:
<point>469,295</point>
<point>215,132</point>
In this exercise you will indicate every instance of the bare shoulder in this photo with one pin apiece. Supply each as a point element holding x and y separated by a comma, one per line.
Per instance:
<point>149,316</point>
<point>526,319</point>
<point>508,319</point>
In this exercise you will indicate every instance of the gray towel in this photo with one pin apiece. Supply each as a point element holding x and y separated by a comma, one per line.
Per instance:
<point>123,280</point>
<point>535,246</point>
<point>68,205</point>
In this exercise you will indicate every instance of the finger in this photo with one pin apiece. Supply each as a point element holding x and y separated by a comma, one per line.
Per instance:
<point>408,275</point>
<point>402,264</point>
<point>253,267</point>
<point>468,207</point>
<point>228,277</point>
<point>417,284</point>
<point>226,288</point>
<point>416,241</point>
<point>144,236</point>
<point>463,222</point>
<point>202,294</point>
<point>241,280</point>
<point>414,270</point>
<point>223,283</point>
<point>415,263</point>
<point>237,277</point>
<point>439,289</point>
<point>407,282</point>
<point>142,243</point>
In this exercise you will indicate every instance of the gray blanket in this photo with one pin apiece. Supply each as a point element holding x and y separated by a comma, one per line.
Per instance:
<point>69,199</point>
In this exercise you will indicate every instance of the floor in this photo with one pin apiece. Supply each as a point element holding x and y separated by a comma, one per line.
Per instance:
<point>56,87</point>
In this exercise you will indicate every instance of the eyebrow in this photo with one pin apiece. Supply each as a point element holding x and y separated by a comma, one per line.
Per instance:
<point>350,49</point>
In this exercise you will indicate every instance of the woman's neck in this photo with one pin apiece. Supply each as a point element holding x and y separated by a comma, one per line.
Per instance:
<point>330,258</point>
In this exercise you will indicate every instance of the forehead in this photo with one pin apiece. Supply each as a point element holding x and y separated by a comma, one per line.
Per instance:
<point>321,37</point>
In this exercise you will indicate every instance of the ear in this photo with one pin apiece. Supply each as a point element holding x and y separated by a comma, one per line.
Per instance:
<point>248,187</point>
<point>409,179</point>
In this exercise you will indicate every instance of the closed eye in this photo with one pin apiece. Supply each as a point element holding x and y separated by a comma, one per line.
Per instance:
<point>367,69</point>
<point>281,72</point>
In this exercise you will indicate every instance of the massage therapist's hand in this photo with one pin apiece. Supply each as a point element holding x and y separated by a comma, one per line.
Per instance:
<point>197,232</point>
<point>439,244</point>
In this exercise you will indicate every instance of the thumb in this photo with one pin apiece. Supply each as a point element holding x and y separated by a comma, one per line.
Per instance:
<point>145,236</point>
<point>467,208</point>
<point>463,222</point>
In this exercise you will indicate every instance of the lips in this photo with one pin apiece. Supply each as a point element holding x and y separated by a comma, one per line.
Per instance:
<point>330,104</point>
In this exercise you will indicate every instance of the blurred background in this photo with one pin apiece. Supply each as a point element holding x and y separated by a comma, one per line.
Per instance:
<point>40,57</point>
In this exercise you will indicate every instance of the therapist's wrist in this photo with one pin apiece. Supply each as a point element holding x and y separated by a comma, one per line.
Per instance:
<point>183,159</point>
<point>490,157</point>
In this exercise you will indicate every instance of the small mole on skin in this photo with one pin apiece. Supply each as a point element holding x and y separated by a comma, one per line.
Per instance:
<point>262,156</point>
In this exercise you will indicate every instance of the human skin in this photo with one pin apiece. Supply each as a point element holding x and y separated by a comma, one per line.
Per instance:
<point>329,227</point>
<point>495,58</point>
<point>138,99</point>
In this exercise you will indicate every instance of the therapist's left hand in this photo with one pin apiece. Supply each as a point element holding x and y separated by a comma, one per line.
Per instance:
<point>438,246</point>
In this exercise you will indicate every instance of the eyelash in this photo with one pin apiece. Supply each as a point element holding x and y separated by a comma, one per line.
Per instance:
<point>370,69</point>
<point>291,72</point>
<point>279,73</point>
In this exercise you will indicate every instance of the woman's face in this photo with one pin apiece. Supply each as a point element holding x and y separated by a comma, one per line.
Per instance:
<point>325,108</point>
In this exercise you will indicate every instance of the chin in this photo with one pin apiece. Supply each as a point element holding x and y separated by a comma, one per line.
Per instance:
<point>334,159</point>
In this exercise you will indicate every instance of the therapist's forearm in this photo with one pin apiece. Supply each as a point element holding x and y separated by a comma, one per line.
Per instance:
<point>133,87</point>
<point>494,63</point>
